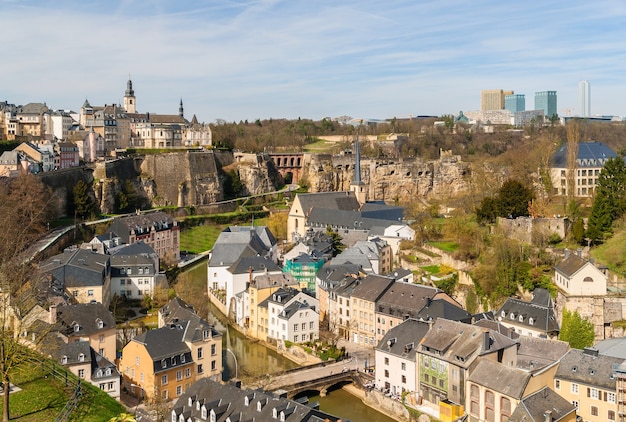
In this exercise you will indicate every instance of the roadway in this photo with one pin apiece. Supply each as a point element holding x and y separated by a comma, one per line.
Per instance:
<point>302,375</point>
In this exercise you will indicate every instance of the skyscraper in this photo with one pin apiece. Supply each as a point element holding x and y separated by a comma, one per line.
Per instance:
<point>493,99</point>
<point>584,98</point>
<point>515,103</point>
<point>546,101</point>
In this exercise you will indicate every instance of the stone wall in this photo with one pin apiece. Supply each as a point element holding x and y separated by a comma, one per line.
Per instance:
<point>600,310</point>
<point>523,228</point>
<point>388,179</point>
<point>63,182</point>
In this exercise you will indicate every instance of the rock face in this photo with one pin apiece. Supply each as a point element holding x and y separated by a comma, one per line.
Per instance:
<point>389,180</point>
<point>196,178</point>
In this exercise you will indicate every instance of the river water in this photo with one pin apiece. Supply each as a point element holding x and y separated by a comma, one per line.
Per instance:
<point>255,360</point>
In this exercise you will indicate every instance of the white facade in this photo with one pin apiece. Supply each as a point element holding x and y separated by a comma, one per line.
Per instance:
<point>586,281</point>
<point>395,373</point>
<point>295,320</point>
<point>135,280</point>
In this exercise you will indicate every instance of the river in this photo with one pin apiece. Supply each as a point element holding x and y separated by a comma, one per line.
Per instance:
<point>255,360</point>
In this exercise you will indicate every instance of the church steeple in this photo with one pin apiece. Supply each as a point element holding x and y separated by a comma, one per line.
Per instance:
<point>360,189</point>
<point>180,109</point>
<point>130,104</point>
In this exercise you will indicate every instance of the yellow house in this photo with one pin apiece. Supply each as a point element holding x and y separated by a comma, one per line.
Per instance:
<point>261,288</point>
<point>588,379</point>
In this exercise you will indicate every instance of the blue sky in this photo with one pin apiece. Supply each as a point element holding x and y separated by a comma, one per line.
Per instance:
<point>238,60</point>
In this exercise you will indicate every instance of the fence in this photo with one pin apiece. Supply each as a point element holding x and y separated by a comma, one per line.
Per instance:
<point>70,380</point>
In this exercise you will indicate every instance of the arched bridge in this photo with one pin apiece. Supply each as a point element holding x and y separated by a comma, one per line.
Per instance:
<point>318,378</point>
<point>289,165</point>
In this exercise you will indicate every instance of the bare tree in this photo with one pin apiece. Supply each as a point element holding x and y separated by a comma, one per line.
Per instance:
<point>25,206</point>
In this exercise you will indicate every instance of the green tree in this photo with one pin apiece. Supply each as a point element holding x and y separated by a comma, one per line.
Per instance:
<point>513,199</point>
<point>84,204</point>
<point>335,240</point>
<point>610,199</point>
<point>576,330</point>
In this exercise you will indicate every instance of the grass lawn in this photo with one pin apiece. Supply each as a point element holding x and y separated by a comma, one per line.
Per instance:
<point>43,398</point>
<point>320,146</point>
<point>431,269</point>
<point>611,253</point>
<point>445,246</point>
<point>201,238</point>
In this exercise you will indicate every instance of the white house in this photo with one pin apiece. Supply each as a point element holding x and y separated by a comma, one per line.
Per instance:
<point>579,277</point>
<point>396,357</point>
<point>293,316</point>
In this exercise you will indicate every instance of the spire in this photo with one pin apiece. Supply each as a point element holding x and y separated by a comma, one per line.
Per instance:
<point>129,88</point>
<point>180,108</point>
<point>357,165</point>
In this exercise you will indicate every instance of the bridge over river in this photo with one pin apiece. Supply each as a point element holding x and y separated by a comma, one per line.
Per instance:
<point>319,377</point>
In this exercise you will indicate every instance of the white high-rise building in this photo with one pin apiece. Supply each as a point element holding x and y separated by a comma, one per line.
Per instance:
<point>584,99</point>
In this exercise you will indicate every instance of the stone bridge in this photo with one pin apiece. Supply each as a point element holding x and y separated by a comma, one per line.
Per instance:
<point>289,166</point>
<point>317,378</point>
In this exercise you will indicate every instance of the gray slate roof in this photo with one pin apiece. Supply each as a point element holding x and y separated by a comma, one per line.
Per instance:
<point>403,340</point>
<point>533,407</point>
<point>142,223</point>
<point>590,154</point>
<point>231,245</point>
<point>499,377</point>
<point>257,263</point>
<point>570,265</point>
<point>78,268</point>
<point>328,200</point>
<point>588,367</point>
<point>229,401</point>
<point>404,299</point>
<point>440,308</point>
<point>372,287</point>
<point>86,315</point>
<point>540,309</point>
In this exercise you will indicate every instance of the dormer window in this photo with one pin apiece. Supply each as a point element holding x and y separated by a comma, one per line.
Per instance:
<point>531,321</point>
<point>163,363</point>
<point>512,316</point>
<point>503,313</point>
<point>274,413</point>
<point>521,318</point>
<point>213,416</point>
<point>203,413</point>
<point>99,373</point>
<point>99,323</point>
<point>76,328</point>
<point>107,372</point>
<point>81,357</point>
<point>206,333</point>
<point>173,360</point>
<point>174,418</point>
<point>64,360</point>
<point>182,358</point>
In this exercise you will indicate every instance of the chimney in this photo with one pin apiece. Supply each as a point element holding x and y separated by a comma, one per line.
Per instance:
<point>566,253</point>
<point>547,416</point>
<point>486,340</point>
<point>53,314</point>
<point>579,252</point>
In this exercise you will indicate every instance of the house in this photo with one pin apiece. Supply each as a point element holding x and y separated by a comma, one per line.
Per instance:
<point>135,271</point>
<point>84,362</point>
<point>293,316</point>
<point>364,299</point>
<point>166,361</point>
<point>576,276</point>
<point>304,204</point>
<point>407,300</point>
<point>335,286</point>
<point>207,400</point>
<point>89,322</point>
<point>396,357</point>
<point>42,160</point>
<point>68,155</point>
<point>156,229</point>
<point>85,275</point>
<point>233,244</point>
<point>588,380</point>
<point>374,256</point>
<point>254,312</point>
<point>590,160</point>
<point>544,405</point>
<point>535,318</point>
<point>447,353</point>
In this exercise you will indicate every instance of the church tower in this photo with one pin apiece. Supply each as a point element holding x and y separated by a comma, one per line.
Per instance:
<point>180,109</point>
<point>130,104</point>
<point>360,189</point>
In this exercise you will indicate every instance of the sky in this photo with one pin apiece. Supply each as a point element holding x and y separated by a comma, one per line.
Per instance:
<point>370,59</point>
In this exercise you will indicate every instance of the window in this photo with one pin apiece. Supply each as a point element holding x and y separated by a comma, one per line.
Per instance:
<point>593,393</point>
<point>164,380</point>
<point>295,327</point>
<point>574,388</point>
<point>505,409</point>
<point>611,415</point>
<point>403,366</point>
<point>199,352</point>
<point>90,293</point>
<point>557,384</point>
<point>386,373</point>
<point>610,397</point>
<point>101,338</point>
<point>164,395</point>
<point>81,373</point>
<point>187,372</point>
<point>179,390</point>
<point>594,410</point>
<point>213,365</point>
<point>575,403</point>
<point>386,361</point>
<point>303,326</point>
<point>403,379</point>
<point>200,369</point>
<point>81,357</point>
<point>64,359</point>
<point>213,350</point>
<point>179,375</point>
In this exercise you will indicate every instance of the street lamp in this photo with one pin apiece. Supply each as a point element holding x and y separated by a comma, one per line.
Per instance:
<point>235,358</point>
